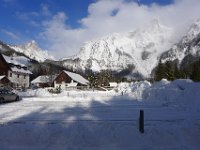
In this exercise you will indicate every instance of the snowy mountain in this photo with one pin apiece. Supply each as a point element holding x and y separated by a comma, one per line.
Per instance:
<point>32,50</point>
<point>38,61</point>
<point>138,50</point>
<point>188,49</point>
<point>5,48</point>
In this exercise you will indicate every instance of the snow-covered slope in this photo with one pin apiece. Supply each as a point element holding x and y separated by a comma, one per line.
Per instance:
<point>31,50</point>
<point>139,50</point>
<point>189,46</point>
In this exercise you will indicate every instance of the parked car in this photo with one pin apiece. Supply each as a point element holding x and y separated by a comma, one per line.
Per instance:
<point>7,95</point>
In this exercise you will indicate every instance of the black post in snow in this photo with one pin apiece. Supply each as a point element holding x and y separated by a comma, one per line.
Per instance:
<point>141,121</point>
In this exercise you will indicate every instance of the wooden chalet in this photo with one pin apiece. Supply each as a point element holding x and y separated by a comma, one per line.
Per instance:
<point>69,80</point>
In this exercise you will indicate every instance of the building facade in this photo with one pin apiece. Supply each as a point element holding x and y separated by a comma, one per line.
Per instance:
<point>16,70</point>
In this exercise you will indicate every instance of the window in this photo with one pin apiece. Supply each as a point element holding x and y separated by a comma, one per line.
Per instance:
<point>17,75</point>
<point>24,76</point>
<point>10,74</point>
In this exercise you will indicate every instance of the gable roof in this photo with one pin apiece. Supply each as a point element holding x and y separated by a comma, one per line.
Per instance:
<point>77,77</point>
<point>1,77</point>
<point>18,60</point>
<point>43,79</point>
<point>4,77</point>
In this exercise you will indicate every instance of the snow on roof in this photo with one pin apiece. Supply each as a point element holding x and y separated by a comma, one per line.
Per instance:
<point>76,77</point>
<point>21,70</point>
<point>17,60</point>
<point>1,77</point>
<point>43,79</point>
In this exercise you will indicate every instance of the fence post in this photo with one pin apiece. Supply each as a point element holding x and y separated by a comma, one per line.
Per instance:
<point>141,121</point>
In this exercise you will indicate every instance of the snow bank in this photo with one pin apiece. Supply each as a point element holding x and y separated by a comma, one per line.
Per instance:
<point>165,91</point>
<point>35,93</point>
<point>162,91</point>
<point>191,96</point>
<point>134,90</point>
<point>179,92</point>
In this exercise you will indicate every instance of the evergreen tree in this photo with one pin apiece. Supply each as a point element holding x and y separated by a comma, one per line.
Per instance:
<point>195,75</point>
<point>169,71</point>
<point>92,77</point>
<point>159,72</point>
<point>177,72</point>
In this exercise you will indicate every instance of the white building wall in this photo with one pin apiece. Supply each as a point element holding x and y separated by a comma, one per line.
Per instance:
<point>21,81</point>
<point>65,86</point>
<point>61,85</point>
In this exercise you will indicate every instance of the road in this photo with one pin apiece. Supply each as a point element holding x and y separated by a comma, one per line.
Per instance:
<point>53,123</point>
<point>35,109</point>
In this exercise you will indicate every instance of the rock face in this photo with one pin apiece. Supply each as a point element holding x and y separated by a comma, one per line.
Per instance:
<point>139,50</point>
<point>31,50</point>
<point>188,49</point>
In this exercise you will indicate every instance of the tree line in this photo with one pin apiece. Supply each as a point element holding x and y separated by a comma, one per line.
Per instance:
<point>171,71</point>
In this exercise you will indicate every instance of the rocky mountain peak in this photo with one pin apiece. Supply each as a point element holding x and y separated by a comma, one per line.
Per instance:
<point>189,46</point>
<point>32,50</point>
<point>30,45</point>
<point>193,31</point>
<point>139,49</point>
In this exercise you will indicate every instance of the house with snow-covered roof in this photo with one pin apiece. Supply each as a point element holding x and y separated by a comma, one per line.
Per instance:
<point>69,80</point>
<point>16,70</point>
<point>43,81</point>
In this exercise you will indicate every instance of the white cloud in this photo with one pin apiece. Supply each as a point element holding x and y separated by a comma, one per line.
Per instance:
<point>29,18</point>
<point>108,16</point>
<point>32,18</point>
<point>10,34</point>
<point>45,10</point>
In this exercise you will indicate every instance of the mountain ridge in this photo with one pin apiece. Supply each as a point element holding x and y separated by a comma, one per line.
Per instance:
<point>188,45</point>
<point>32,50</point>
<point>119,50</point>
<point>137,51</point>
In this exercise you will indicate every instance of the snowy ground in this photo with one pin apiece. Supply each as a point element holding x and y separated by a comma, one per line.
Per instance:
<point>88,120</point>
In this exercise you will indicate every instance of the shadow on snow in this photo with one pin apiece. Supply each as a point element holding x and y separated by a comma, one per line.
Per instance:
<point>106,125</point>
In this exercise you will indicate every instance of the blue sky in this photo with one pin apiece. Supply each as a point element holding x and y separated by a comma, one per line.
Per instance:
<point>63,25</point>
<point>24,18</point>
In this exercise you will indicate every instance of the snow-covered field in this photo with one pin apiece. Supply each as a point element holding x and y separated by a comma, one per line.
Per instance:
<point>106,120</point>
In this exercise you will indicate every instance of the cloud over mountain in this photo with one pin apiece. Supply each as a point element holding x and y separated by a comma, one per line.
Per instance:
<point>105,17</point>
